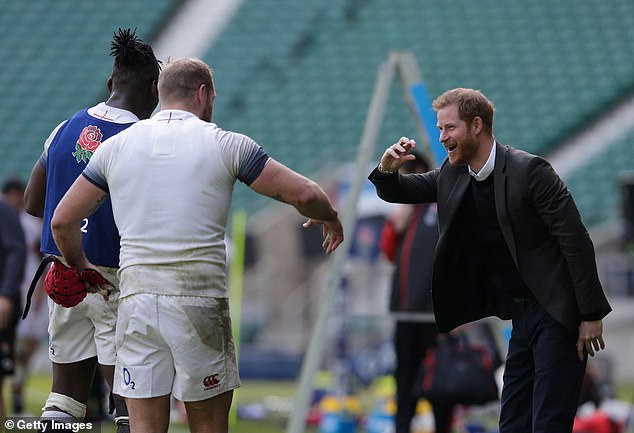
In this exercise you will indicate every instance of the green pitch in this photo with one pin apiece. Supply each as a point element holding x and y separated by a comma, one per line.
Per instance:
<point>39,385</point>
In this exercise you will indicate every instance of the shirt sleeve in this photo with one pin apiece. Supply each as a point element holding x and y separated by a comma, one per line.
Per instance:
<point>557,209</point>
<point>389,241</point>
<point>246,158</point>
<point>96,171</point>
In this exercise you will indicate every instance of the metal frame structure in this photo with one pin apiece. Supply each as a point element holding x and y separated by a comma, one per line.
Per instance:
<point>402,64</point>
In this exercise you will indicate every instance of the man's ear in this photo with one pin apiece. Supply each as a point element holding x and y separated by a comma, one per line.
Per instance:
<point>477,125</point>
<point>202,94</point>
<point>109,84</point>
<point>154,88</point>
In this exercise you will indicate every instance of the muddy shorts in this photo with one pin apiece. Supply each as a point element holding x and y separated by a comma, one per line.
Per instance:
<point>174,344</point>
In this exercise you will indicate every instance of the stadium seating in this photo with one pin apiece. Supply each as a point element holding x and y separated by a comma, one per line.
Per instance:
<point>55,61</point>
<point>549,67</point>
<point>298,76</point>
<point>595,185</point>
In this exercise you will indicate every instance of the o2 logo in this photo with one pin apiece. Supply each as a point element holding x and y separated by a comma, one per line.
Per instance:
<point>127,379</point>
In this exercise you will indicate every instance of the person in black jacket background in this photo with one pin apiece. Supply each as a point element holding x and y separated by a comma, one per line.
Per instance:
<point>408,239</point>
<point>12,259</point>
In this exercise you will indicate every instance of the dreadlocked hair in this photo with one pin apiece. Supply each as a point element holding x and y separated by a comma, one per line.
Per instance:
<point>133,58</point>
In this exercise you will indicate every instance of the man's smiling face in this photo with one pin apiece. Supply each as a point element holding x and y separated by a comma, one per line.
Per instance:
<point>457,136</point>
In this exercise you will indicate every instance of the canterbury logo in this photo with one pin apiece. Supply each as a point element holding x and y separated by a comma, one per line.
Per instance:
<point>211,381</point>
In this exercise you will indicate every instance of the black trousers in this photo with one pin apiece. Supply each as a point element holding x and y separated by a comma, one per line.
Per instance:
<point>542,375</point>
<point>411,341</point>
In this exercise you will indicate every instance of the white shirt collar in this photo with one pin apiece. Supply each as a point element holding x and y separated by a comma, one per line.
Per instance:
<point>487,169</point>
<point>112,114</point>
<point>172,115</point>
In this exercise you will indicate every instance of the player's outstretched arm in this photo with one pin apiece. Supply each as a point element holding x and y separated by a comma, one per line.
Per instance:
<point>281,183</point>
<point>81,200</point>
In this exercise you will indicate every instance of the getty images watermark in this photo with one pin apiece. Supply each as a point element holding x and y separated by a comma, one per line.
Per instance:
<point>31,424</point>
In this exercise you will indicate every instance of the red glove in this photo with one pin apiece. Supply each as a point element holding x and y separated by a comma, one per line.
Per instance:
<point>67,287</point>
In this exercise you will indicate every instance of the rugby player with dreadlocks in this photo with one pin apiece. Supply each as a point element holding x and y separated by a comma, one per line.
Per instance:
<point>83,336</point>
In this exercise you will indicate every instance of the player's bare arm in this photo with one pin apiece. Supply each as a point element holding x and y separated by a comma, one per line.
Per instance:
<point>79,202</point>
<point>396,155</point>
<point>283,184</point>
<point>35,191</point>
<point>6,308</point>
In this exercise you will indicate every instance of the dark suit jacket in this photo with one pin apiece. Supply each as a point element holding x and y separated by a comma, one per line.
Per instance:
<point>12,254</point>
<point>542,229</point>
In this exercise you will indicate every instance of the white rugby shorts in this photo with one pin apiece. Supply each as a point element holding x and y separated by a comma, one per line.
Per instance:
<point>85,330</point>
<point>174,344</point>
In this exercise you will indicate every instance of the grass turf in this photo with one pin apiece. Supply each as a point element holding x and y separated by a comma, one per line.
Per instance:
<point>38,386</point>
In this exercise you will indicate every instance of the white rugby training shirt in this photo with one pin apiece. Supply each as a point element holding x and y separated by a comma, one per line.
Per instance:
<point>170,180</point>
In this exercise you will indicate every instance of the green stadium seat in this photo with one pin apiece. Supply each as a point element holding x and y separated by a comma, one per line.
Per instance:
<point>550,68</point>
<point>55,59</point>
<point>298,76</point>
<point>595,185</point>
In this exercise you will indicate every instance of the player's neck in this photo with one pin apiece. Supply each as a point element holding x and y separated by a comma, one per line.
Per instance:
<point>124,102</point>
